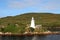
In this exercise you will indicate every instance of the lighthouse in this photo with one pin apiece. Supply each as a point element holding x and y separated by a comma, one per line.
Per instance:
<point>32,23</point>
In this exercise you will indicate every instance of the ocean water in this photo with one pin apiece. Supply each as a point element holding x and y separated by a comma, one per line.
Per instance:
<point>35,37</point>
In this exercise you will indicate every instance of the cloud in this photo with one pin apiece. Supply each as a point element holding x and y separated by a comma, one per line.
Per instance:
<point>16,5</point>
<point>53,5</point>
<point>50,5</point>
<point>22,4</point>
<point>43,4</point>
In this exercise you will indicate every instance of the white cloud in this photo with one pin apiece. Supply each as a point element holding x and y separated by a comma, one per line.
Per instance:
<point>52,5</point>
<point>43,4</point>
<point>22,4</point>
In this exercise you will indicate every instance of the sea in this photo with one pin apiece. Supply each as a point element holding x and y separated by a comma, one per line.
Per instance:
<point>35,37</point>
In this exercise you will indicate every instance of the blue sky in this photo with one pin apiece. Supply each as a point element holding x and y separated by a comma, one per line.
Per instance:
<point>16,7</point>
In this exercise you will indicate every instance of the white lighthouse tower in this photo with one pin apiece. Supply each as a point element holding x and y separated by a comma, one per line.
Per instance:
<point>32,23</point>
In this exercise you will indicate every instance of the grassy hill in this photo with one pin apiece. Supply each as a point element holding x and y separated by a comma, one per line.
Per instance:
<point>45,19</point>
<point>40,18</point>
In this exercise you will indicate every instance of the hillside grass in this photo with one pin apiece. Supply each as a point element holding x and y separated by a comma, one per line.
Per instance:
<point>44,19</point>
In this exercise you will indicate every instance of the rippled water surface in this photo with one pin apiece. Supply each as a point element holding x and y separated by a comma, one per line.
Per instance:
<point>35,37</point>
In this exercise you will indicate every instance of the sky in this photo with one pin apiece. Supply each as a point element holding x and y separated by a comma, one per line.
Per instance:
<point>16,7</point>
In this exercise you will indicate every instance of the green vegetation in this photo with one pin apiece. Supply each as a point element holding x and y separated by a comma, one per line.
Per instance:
<point>48,21</point>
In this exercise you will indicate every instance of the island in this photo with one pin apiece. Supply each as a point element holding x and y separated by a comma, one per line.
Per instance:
<point>40,24</point>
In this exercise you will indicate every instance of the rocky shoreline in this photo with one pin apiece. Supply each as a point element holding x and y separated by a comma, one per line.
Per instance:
<point>29,34</point>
